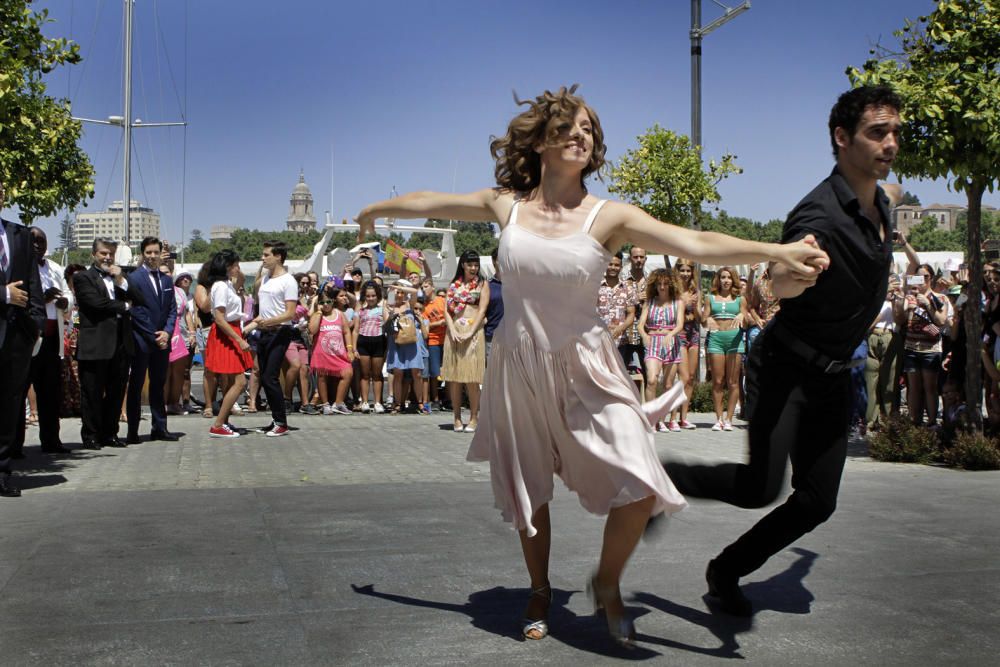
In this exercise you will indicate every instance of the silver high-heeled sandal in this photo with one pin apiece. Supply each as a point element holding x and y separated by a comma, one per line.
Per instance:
<point>538,629</point>
<point>621,628</point>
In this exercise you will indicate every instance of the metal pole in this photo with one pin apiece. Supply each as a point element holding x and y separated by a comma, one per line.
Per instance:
<point>696,75</point>
<point>127,164</point>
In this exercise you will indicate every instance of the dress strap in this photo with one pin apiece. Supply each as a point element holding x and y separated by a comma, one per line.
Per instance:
<point>589,222</point>
<point>512,219</point>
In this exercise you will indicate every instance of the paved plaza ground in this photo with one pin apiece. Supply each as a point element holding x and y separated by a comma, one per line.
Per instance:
<point>369,540</point>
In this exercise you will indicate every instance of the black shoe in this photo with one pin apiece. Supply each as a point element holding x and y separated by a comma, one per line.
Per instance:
<point>114,441</point>
<point>132,440</point>
<point>726,589</point>
<point>308,409</point>
<point>166,436</point>
<point>90,444</point>
<point>54,449</point>
<point>7,488</point>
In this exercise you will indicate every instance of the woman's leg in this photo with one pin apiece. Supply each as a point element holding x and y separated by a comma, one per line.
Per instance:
<point>415,382</point>
<point>208,384</point>
<point>472,389</point>
<point>929,377</point>
<point>397,388</point>
<point>229,398</point>
<point>653,368</point>
<point>734,370</point>
<point>254,384</point>
<point>621,534</point>
<point>717,362</point>
<point>377,377</point>
<point>536,558</point>
<point>366,373</point>
<point>346,376</point>
<point>186,386</point>
<point>915,396</point>
<point>691,354</point>
<point>323,388</point>
<point>455,393</point>
<point>681,370</point>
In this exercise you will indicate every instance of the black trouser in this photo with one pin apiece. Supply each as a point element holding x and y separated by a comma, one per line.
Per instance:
<point>102,385</point>
<point>799,412</point>
<point>270,354</point>
<point>626,350</point>
<point>14,353</point>
<point>155,362</point>
<point>46,377</point>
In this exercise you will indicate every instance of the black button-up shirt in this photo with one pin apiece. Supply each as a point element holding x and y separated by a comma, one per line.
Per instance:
<point>833,315</point>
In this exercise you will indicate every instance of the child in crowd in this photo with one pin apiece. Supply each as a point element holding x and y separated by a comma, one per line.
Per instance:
<point>333,349</point>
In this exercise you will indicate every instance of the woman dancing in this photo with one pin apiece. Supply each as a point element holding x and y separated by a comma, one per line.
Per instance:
<point>557,398</point>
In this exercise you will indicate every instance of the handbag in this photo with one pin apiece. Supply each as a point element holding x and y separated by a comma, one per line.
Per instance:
<point>406,330</point>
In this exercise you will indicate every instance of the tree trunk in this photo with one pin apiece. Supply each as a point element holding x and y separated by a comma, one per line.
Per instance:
<point>973,313</point>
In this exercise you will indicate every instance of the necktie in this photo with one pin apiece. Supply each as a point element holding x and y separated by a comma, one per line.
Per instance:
<point>4,262</point>
<point>155,275</point>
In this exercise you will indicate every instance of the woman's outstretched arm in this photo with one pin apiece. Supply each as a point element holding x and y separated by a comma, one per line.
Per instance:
<point>489,205</point>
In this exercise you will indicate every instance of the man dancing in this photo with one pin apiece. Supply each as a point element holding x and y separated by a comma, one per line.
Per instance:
<point>797,371</point>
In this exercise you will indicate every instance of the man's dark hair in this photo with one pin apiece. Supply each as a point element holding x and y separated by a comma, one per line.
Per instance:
<point>850,106</point>
<point>110,243</point>
<point>148,241</point>
<point>357,272</point>
<point>620,256</point>
<point>278,248</point>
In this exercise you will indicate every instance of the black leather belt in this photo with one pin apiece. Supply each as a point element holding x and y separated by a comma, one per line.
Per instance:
<point>808,353</point>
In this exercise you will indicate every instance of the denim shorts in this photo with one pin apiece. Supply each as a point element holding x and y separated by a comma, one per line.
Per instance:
<point>921,361</point>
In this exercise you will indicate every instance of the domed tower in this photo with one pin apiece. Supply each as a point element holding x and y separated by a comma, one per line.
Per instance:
<point>300,215</point>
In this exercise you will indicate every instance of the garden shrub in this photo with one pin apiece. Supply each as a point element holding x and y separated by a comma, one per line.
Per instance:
<point>973,451</point>
<point>903,442</point>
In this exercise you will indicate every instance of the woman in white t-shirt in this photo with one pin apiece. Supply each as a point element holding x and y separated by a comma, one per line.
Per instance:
<point>277,296</point>
<point>227,353</point>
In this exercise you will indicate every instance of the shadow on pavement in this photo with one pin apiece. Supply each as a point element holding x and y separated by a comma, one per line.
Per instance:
<point>784,593</point>
<point>498,610</point>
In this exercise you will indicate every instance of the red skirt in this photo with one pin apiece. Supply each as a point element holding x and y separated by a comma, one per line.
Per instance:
<point>223,355</point>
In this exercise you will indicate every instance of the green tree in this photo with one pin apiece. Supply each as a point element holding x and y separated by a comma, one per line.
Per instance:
<point>196,235</point>
<point>665,177</point>
<point>67,232</point>
<point>41,166</point>
<point>947,71</point>
<point>927,237</point>
<point>910,199</point>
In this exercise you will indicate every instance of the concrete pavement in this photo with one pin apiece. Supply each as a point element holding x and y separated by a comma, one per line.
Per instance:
<point>368,540</point>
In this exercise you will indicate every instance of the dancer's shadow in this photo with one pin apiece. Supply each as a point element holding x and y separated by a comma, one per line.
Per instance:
<point>498,610</point>
<point>784,592</point>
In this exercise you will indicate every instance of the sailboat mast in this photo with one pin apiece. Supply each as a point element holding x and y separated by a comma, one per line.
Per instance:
<point>127,125</point>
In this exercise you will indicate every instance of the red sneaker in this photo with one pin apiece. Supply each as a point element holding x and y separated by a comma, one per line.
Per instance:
<point>277,430</point>
<point>222,432</point>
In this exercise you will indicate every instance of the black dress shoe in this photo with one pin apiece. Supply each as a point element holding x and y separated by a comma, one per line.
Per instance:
<point>166,436</point>
<point>132,440</point>
<point>114,441</point>
<point>54,449</point>
<point>90,444</point>
<point>726,589</point>
<point>7,487</point>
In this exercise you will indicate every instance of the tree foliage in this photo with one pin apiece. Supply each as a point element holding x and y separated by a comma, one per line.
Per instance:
<point>42,167</point>
<point>947,72</point>
<point>665,176</point>
<point>910,199</point>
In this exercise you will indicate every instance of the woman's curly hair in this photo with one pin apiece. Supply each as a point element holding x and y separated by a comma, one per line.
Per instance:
<point>519,166</point>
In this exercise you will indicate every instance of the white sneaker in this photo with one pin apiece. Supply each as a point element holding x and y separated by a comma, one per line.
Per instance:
<point>340,409</point>
<point>727,426</point>
<point>365,408</point>
<point>379,409</point>
<point>327,409</point>
<point>718,426</point>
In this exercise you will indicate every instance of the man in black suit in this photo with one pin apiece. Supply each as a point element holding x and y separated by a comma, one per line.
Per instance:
<point>22,315</point>
<point>105,346</point>
<point>152,327</point>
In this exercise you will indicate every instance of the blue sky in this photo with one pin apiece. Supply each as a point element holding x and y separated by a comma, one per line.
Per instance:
<point>365,96</point>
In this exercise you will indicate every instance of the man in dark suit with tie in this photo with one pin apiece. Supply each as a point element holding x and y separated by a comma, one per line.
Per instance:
<point>105,346</point>
<point>22,316</point>
<point>152,327</point>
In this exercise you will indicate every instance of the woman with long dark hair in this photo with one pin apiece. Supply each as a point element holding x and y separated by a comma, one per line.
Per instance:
<point>227,353</point>
<point>557,397</point>
<point>464,358</point>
